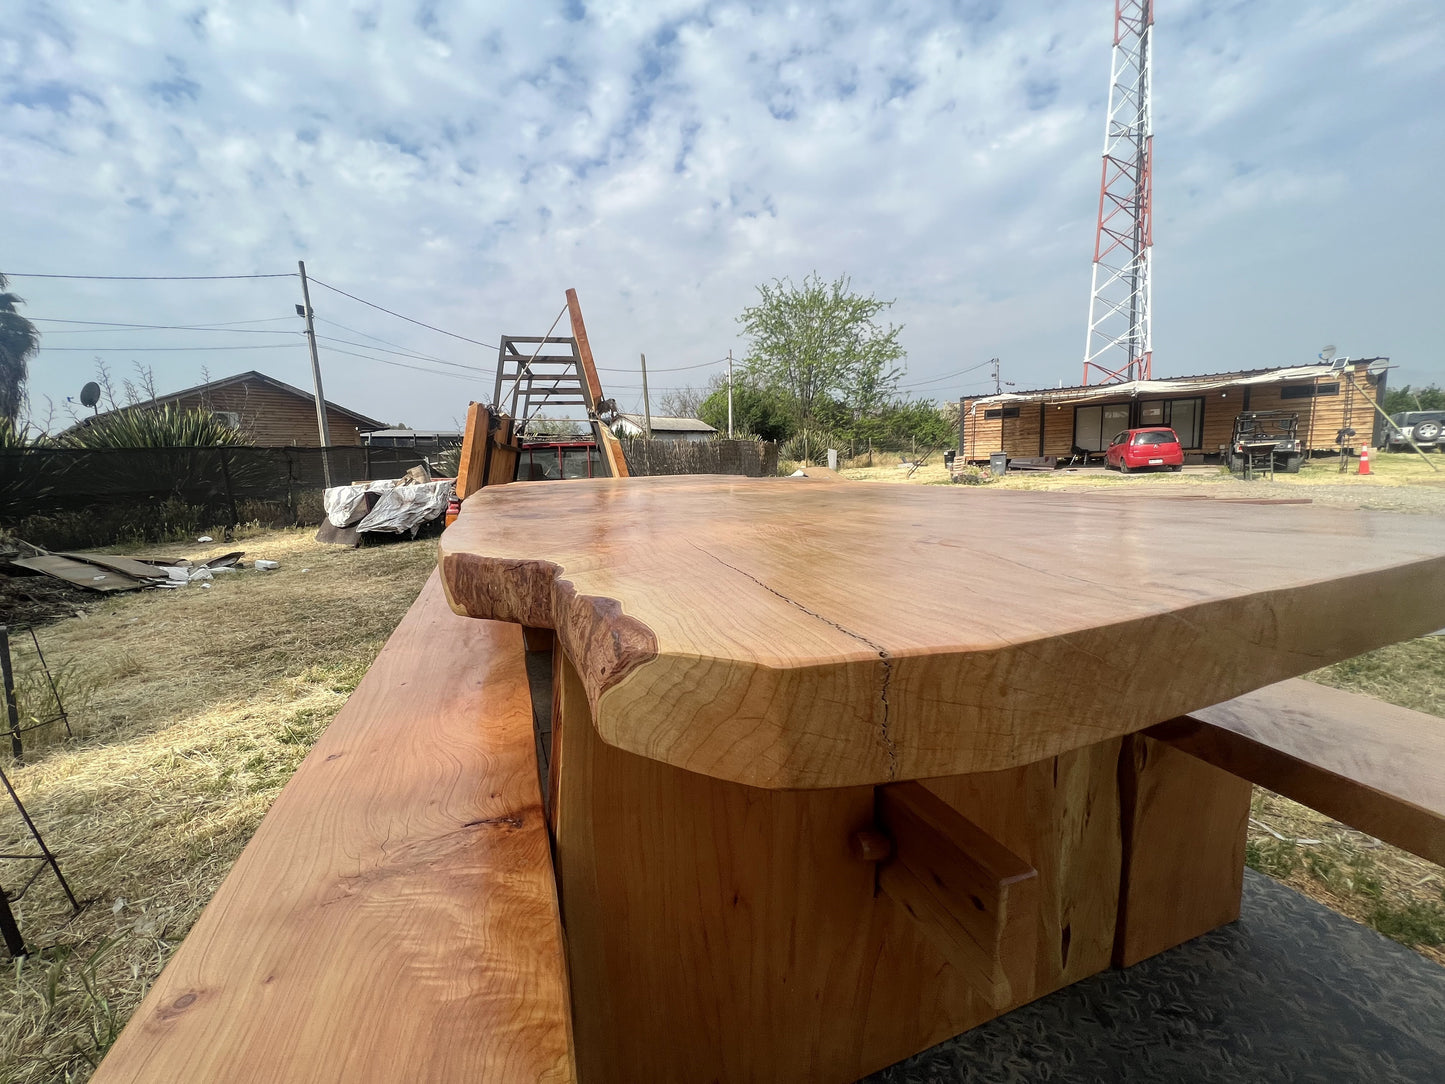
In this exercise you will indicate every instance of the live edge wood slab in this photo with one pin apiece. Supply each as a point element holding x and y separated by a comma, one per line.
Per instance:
<point>786,633</point>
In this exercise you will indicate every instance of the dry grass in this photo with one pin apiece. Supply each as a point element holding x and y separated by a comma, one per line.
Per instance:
<point>202,704</point>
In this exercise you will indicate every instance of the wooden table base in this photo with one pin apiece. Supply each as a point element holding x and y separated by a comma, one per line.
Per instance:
<point>722,932</point>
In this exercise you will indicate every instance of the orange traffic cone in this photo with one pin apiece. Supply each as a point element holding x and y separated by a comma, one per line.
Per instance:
<point>1365,460</point>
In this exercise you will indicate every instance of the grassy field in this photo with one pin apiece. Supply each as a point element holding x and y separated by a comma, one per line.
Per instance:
<point>193,707</point>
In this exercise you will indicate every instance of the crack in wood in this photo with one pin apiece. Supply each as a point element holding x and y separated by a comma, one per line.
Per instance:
<point>884,657</point>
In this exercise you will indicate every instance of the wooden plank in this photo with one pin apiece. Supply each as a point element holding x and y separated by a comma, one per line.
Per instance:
<point>791,633</point>
<point>584,350</point>
<point>1184,825</point>
<point>973,898</point>
<point>394,917</point>
<point>503,453</point>
<point>722,932</point>
<point>612,452</point>
<point>472,466</point>
<point>1371,765</point>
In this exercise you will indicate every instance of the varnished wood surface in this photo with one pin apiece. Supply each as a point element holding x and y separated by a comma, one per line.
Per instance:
<point>1371,765</point>
<point>718,932</point>
<point>791,633</point>
<point>394,919</point>
<point>1184,827</point>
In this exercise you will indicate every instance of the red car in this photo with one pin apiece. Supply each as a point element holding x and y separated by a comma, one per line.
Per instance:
<point>1134,448</point>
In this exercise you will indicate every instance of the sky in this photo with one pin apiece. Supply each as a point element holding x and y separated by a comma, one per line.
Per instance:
<point>464,164</point>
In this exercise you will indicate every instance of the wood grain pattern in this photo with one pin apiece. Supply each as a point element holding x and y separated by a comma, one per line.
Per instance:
<point>793,633</point>
<point>1184,828</point>
<point>719,932</point>
<point>973,899</point>
<point>472,465</point>
<point>394,917</point>
<point>1371,765</point>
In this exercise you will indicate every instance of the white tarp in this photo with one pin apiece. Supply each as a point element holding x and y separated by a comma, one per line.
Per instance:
<point>347,504</point>
<point>1137,388</point>
<point>406,507</point>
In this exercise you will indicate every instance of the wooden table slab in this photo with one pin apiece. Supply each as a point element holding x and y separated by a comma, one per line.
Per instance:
<point>787,633</point>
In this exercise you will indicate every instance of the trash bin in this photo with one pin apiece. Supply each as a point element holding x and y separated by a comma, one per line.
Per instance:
<point>948,458</point>
<point>998,463</point>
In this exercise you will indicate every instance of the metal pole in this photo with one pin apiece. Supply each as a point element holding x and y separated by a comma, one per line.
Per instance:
<point>10,929</point>
<point>646,403</point>
<point>730,395</point>
<point>321,428</point>
<point>12,709</point>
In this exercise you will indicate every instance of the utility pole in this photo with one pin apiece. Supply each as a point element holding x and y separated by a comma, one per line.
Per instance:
<point>730,395</point>
<point>997,384</point>
<point>321,428</point>
<point>646,403</point>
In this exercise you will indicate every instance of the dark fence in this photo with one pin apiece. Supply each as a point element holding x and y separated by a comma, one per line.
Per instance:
<point>751,458</point>
<point>67,496</point>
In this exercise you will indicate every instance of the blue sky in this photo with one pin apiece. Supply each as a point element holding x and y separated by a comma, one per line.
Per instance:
<point>464,164</point>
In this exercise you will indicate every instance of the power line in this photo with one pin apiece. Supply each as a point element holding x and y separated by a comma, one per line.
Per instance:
<point>399,316</point>
<point>674,369</point>
<point>948,376</point>
<point>375,338</point>
<point>147,278</point>
<point>102,325</point>
<point>398,364</point>
<point>161,349</point>
<point>404,354</point>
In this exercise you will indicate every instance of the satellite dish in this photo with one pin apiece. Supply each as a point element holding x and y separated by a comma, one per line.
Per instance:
<point>1327,353</point>
<point>90,394</point>
<point>1378,366</point>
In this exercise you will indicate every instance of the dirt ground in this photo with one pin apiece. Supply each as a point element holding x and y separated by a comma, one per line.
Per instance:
<point>191,709</point>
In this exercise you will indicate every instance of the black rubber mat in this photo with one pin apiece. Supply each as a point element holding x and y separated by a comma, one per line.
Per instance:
<point>1291,992</point>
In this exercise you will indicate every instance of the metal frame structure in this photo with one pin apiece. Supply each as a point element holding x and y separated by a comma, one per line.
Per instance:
<point>1119,304</point>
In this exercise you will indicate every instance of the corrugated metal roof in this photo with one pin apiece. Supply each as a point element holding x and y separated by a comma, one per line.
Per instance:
<point>670,425</point>
<point>1162,384</point>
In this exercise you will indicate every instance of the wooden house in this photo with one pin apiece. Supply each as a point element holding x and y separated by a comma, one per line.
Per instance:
<point>274,413</point>
<point>1201,409</point>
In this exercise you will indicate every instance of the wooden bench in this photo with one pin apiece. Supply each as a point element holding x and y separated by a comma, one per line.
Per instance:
<point>1368,764</point>
<point>395,916</point>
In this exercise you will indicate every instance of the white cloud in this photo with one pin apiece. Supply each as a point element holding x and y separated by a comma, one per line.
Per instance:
<point>464,166</point>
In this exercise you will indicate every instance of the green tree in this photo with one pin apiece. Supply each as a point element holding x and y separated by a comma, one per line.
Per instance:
<point>816,340</point>
<point>18,342</point>
<point>757,412</point>
<point>1406,398</point>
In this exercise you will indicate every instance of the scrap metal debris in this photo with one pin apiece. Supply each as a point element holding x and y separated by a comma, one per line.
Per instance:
<point>109,572</point>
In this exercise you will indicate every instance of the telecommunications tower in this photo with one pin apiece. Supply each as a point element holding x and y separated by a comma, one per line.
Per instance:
<point>1119,344</point>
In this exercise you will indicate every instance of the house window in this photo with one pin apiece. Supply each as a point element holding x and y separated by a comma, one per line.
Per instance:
<point>1307,391</point>
<point>1000,412</point>
<point>1184,416</point>
<point>1095,426</point>
<point>229,418</point>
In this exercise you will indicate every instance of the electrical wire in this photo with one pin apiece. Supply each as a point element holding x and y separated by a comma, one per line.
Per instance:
<point>162,349</point>
<point>399,316</point>
<point>398,364</point>
<point>367,335</point>
<point>224,325</point>
<point>148,278</point>
<point>402,353</point>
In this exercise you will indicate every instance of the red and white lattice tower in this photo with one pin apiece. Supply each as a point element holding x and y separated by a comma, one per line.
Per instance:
<point>1119,345</point>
